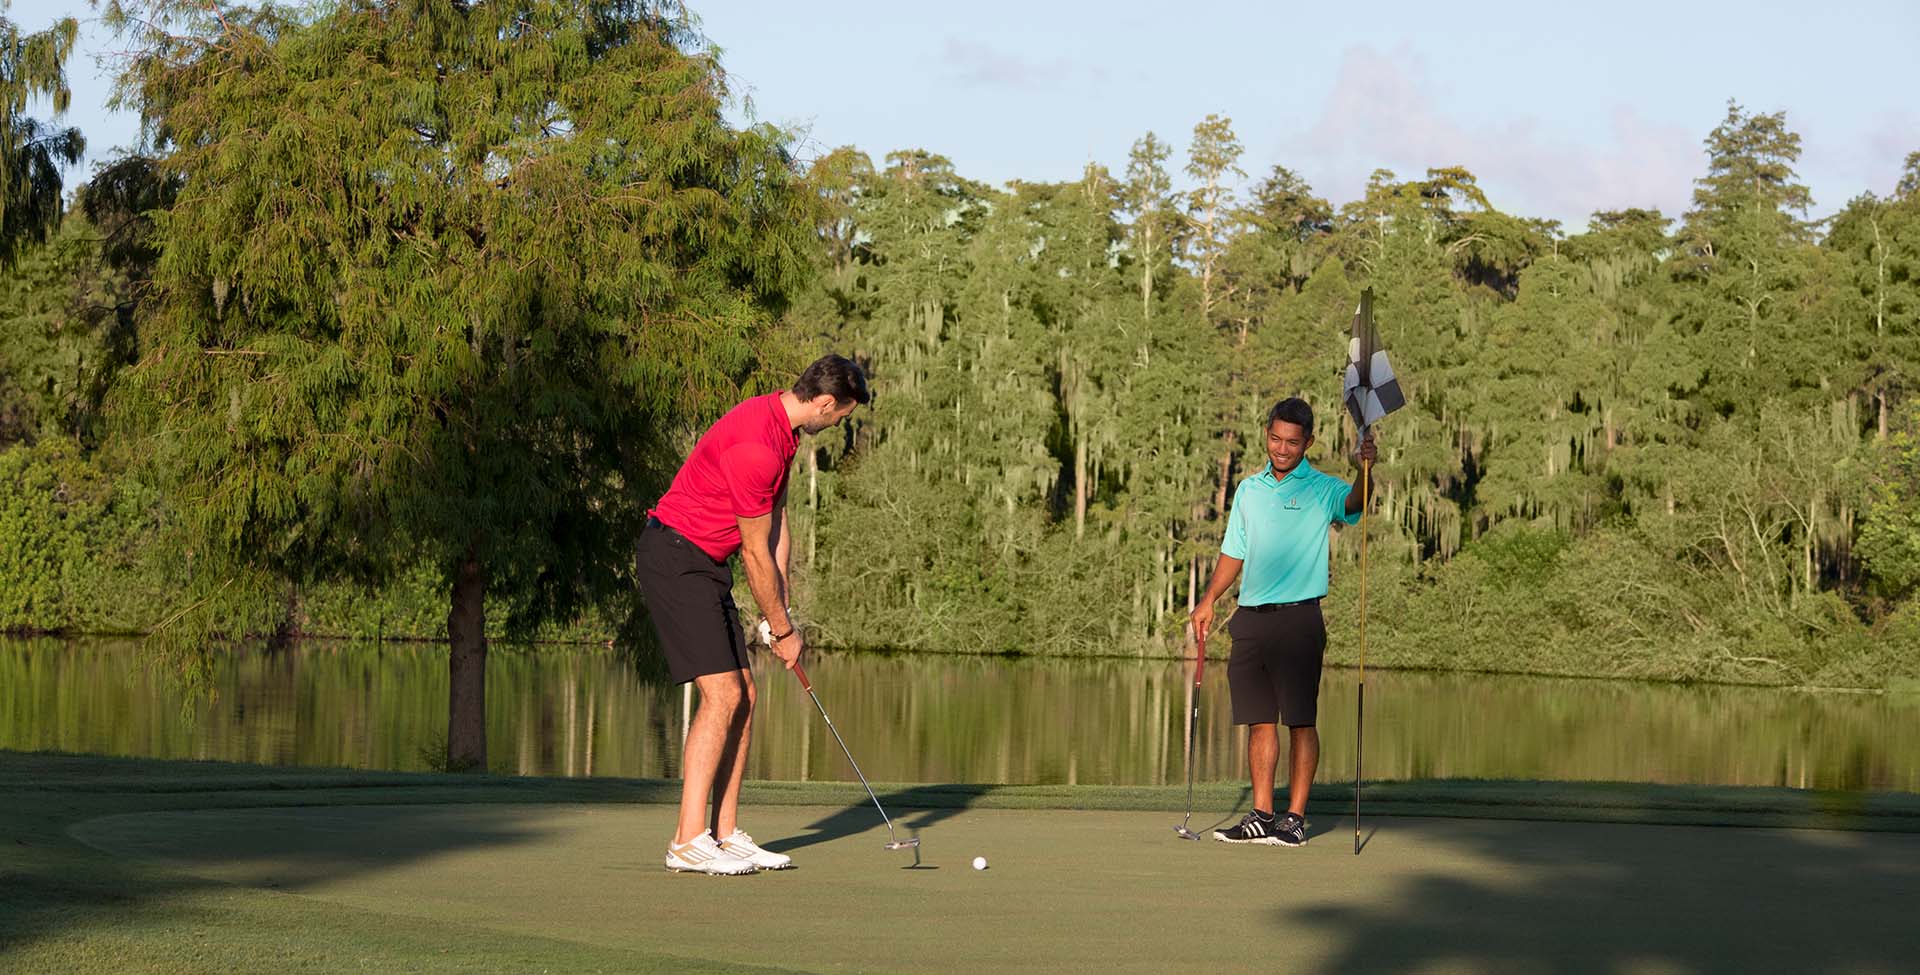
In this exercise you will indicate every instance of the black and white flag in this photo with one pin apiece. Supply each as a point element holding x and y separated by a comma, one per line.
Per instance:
<point>1371,390</point>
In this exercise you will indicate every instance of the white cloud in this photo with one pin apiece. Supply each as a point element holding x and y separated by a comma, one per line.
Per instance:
<point>975,63</point>
<point>1895,135</point>
<point>1383,113</point>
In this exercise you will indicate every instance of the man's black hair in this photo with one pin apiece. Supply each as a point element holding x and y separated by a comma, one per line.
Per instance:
<point>1293,409</point>
<point>835,375</point>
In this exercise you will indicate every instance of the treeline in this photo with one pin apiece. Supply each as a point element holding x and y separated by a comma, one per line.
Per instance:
<point>413,309</point>
<point>1680,448</point>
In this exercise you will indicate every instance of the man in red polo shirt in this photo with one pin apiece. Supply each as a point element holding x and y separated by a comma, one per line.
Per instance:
<point>730,496</point>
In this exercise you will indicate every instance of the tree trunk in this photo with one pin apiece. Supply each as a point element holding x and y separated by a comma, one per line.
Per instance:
<point>1193,577</point>
<point>1139,608</point>
<point>1146,278</point>
<point>813,504</point>
<point>467,669</point>
<point>1080,486</point>
<point>1807,566</point>
<point>1159,588</point>
<point>1226,475</point>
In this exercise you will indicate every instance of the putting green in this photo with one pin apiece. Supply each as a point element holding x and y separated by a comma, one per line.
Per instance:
<point>1066,890</point>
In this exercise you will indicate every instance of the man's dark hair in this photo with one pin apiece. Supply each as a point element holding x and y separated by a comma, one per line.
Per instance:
<point>1293,409</point>
<point>835,375</point>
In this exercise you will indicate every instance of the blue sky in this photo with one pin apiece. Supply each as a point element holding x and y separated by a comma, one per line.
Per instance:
<point>1558,109</point>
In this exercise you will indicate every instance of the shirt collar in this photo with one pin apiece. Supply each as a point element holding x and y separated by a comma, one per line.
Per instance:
<point>1301,468</point>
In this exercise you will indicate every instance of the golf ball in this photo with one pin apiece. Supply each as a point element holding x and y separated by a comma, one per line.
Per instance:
<point>979,863</point>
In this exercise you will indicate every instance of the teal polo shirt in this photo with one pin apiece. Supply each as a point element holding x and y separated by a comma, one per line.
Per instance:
<point>1279,529</point>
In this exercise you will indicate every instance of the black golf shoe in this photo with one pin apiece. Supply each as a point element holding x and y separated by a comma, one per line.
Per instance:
<point>1255,827</point>
<point>1291,831</point>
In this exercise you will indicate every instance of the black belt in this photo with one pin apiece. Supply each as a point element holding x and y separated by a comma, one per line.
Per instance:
<point>1270,607</point>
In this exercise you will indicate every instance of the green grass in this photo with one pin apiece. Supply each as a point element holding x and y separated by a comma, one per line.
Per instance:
<point>66,907</point>
<point>227,868</point>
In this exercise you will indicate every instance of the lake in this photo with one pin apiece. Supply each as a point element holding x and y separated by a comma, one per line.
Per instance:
<point>937,718</point>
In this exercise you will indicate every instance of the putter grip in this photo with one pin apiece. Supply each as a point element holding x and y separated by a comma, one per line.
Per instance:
<point>801,672</point>
<point>1199,660</point>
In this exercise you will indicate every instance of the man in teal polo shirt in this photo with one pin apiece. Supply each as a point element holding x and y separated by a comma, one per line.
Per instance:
<point>1277,529</point>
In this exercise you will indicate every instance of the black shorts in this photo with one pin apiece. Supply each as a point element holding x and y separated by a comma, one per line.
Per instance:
<point>1274,672</point>
<point>690,598</point>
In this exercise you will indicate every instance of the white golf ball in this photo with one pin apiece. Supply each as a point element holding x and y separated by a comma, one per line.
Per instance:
<point>979,863</point>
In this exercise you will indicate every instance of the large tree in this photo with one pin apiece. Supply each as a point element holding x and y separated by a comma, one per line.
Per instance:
<point>1880,241</point>
<point>1753,274</point>
<point>1148,199</point>
<point>447,282</point>
<point>33,66</point>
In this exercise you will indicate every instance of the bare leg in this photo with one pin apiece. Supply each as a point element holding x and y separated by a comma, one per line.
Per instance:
<point>733,765</point>
<point>1263,758</point>
<point>1303,758</point>
<point>721,699</point>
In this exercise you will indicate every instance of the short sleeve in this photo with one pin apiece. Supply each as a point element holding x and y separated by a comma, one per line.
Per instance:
<point>1337,491</point>
<point>1234,544</point>
<point>753,473</point>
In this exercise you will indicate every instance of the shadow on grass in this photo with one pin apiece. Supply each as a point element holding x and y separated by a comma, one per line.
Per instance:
<point>298,848</point>
<point>913,809</point>
<point>56,885</point>
<point>1587,899</point>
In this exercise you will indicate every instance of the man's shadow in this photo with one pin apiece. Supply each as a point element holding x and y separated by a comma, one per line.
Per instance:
<point>929,806</point>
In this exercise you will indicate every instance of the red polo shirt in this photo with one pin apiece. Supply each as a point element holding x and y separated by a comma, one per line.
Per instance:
<point>735,471</point>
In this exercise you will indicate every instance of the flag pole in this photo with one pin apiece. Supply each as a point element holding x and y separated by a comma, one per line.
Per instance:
<point>1360,699</point>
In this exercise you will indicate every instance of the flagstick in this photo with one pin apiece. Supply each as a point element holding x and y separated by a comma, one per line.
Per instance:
<point>1360,700</point>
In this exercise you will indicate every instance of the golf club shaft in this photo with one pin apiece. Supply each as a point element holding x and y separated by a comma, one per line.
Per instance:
<point>1193,715</point>
<point>801,672</point>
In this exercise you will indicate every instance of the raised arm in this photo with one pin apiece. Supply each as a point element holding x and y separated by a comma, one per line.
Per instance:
<point>1356,501</point>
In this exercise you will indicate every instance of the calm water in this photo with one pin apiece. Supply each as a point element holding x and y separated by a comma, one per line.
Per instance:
<point>943,719</point>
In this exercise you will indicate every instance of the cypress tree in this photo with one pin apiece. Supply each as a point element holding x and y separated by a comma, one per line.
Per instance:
<point>445,282</point>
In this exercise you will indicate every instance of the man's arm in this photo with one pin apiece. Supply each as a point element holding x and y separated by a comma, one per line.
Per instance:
<point>1224,572</point>
<point>783,548</point>
<point>764,578</point>
<point>1356,501</point>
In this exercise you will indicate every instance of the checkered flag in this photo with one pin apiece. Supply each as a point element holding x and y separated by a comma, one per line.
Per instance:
<point>1371,390</point>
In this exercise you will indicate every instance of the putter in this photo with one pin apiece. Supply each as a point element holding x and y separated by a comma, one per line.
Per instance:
<point>1193,718</point>
<point>893,841</point>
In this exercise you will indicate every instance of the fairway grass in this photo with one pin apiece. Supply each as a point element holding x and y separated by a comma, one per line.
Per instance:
<point>125,865</point>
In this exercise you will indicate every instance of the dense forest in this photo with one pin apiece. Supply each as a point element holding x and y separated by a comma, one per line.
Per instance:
<point>409,310</point>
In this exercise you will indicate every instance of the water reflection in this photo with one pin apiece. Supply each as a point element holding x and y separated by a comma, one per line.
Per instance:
<point>944,719</point>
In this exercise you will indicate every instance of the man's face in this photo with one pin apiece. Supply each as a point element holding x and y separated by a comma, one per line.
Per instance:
<point>1286,444</point>
<point>827,413</point>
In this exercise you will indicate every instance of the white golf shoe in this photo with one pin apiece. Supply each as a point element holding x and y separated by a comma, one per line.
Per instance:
<point>742,846</point>
<point>703,855</point>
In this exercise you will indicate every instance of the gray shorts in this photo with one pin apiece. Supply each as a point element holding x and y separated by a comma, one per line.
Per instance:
<point>1274,672</point>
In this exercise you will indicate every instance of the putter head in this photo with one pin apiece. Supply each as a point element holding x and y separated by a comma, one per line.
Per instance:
<point>1185,833</point>
<point>907,844</point>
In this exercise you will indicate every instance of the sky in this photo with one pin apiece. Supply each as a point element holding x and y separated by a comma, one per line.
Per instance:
<point>1558,109</point>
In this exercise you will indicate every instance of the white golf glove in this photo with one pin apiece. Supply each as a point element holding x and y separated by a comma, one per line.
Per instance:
<point>765,629</point>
